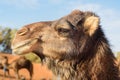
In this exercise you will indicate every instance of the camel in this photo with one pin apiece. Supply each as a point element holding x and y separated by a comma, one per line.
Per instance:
<point>21,63</point>
<point>74,47</point>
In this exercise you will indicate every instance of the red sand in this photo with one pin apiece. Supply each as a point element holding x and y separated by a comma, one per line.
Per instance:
<point>40,72</point>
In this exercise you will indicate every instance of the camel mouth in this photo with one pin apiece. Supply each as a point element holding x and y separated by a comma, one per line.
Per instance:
<point>23,43</point>
<point>22,46</point>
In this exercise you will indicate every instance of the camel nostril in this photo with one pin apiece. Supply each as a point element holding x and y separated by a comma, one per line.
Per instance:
<point>23,31</point>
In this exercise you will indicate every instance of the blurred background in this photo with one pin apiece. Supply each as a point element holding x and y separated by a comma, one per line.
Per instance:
<point>14,14</point>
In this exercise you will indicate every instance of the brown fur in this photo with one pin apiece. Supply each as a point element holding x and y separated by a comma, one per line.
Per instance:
<point>21,63</point>
<point>118,63</point>
<point>73,47</point>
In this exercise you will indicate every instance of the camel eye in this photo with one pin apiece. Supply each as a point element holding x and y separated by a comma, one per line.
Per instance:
<point>63,30</point>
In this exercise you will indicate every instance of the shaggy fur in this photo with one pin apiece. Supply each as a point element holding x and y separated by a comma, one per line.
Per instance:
<point>74,47</point>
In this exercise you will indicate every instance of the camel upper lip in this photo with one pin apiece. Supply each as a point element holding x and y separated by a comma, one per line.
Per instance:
<point>23,43</point>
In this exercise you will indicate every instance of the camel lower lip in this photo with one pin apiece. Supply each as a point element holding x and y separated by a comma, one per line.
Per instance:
<point>24,43</point>
<point>23,47</point>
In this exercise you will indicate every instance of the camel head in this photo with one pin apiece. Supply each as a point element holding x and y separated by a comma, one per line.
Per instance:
<point>64,38</point>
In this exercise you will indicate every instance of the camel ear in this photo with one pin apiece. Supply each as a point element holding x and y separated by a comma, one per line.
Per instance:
<point>91,24</point>
<point>74,17</point>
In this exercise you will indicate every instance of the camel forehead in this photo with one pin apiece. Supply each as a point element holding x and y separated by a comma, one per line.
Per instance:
<point>37,25</point>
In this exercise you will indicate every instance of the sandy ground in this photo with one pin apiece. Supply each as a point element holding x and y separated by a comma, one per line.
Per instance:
<point>40,72</point>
